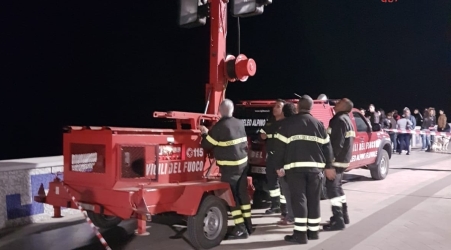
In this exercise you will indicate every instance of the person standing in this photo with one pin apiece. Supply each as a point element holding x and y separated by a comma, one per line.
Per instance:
<point>342,136</point>
<point>302,152</point>
<point>287,218</point>
<point>267,133</point>
<point>404,138</point>
<point>392,125</point>
<point>228,140</point>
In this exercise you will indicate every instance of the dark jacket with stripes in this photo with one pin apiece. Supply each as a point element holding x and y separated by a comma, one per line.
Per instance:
<point>270,130</point>
<point>303,144</point>
<point>228,140</point>
<point>342,136</point>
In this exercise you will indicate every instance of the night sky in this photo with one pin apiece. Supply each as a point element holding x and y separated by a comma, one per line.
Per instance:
<point>115,62</point>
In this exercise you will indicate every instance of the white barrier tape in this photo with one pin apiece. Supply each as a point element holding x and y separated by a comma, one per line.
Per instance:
<point>83,211</point>
<point>418,132</point>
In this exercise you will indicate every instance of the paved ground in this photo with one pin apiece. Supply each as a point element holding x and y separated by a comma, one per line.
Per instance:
<point>410,209</point>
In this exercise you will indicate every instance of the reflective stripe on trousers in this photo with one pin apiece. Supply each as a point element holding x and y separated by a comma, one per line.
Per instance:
<point>274,193</point>
<point>283,200</point>
<point>237,216</point>
<point>246,211</point>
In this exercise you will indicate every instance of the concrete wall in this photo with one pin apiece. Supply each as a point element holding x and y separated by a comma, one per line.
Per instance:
<point>19,182</point>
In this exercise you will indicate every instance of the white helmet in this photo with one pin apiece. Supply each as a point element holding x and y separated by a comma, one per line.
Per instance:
<point>322,97</point>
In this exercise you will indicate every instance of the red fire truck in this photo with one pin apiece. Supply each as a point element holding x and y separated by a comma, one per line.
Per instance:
<point>372,149</point>
<point>120,173</point>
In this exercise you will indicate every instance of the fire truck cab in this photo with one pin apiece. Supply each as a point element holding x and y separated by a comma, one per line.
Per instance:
<point>372,149</point>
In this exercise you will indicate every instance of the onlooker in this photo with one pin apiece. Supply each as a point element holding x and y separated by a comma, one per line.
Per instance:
<point>427,123</point>
<point>442,125</point>
<point>432,128</point>
<point>392,125</point>
<point>404,139</point>
<point>373,117</point>
<point>418,117</point>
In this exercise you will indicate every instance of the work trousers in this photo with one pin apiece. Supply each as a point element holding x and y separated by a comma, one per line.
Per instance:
<point>305,188</point>
<point>272,178</point>
<point>285,198</point>
<point>404,140</point>
<point>334,188</point>
<point>236,176</point>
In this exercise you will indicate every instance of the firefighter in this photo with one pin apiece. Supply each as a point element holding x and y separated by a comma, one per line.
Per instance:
<point>267,133</point>
<point>287,218</point>
<point>303,151</point>
<point>228,140</point>
<point>342,135</point>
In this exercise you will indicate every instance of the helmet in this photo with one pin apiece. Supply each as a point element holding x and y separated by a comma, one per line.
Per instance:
<point>322,97</point>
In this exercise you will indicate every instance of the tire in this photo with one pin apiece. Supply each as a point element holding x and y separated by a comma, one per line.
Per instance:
<point>380,170</point>
<point>323,188</point>
<point>214,210</point>
<point>103,221</point>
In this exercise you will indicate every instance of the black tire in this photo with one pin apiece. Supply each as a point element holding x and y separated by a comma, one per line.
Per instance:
<point>380,170</point>
<point>214,208</point>
<point>103,221</point>
<point>323,188</point>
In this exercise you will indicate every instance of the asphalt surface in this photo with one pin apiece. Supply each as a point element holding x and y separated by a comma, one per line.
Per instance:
<point>384,215</point>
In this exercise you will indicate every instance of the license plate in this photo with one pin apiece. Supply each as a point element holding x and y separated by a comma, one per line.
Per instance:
<point>258,170</point>
<point>86,206</point>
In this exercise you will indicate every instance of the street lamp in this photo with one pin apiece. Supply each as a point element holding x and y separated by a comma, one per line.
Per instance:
<point>192,13</point>
<point>247,8</point>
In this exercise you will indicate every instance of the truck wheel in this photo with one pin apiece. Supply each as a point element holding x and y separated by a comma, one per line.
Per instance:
<point>323,188</point>
<point>208,227</point>
<point>103,221</point>
<point>380,171</point>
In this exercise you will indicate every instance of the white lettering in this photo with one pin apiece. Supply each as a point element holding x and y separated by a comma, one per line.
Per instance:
<point>362,156</point>
<point>254,122</point>
<point>175,167</point>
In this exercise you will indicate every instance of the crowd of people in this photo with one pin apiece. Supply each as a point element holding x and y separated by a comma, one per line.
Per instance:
<point>427,122</point>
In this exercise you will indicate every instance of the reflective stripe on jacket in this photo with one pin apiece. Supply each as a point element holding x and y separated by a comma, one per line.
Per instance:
<point>303,144</point>
<point>228,140</point>
<point>342,136</point>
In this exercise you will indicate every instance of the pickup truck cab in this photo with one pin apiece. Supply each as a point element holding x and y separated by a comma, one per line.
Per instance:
<point>372,149</point>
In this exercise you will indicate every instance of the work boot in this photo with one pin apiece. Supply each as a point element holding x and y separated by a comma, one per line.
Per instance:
<point>297,238</point>
<point>285,223</point>
<point>345,213</point>
<point>275,206</point>
<point>238,233</point>
<point>336,223</point>
<point>249,226</point>
<point>283,210</point>
<point>312,235</point>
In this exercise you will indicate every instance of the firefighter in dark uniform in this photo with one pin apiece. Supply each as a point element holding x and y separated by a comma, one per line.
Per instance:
<point>267,133</point>
<point>342,136</point>
<point>303,151</point>
<point>228,140</point>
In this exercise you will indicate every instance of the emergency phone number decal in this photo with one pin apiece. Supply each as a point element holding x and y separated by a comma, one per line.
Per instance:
<point>194,152</point>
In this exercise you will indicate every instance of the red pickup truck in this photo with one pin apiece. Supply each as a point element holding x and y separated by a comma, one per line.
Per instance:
<point>372,149</point>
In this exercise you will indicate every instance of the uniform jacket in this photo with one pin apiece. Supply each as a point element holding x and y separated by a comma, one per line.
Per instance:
<point>228,140</point>
<point>270,130</point>
<point>342,136</point>
<point>303,144</point>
